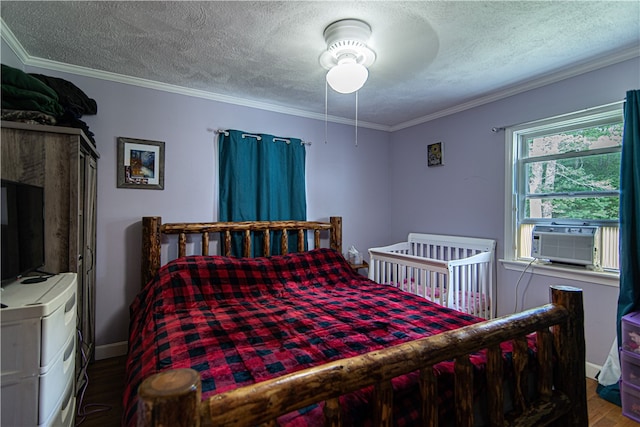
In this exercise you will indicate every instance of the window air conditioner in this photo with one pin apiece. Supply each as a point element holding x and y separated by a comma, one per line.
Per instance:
<point>567,244</point>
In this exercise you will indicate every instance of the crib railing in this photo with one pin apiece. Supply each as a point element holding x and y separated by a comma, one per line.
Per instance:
<point>471,285</point>
<point>448,248</point>
<point>421,276</point>
<point>453,271</point>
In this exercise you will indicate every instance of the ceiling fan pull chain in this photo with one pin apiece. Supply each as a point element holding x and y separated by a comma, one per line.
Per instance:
<point>357,117</point>
<point>326,90</point>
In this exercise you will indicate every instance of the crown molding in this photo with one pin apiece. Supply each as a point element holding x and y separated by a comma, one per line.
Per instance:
<point>32,61</point>
<point>12,42</point>
<point>181,90</point>
<point>572,71</point>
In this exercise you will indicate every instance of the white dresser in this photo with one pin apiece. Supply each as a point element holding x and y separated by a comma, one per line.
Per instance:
<point>38,352</point>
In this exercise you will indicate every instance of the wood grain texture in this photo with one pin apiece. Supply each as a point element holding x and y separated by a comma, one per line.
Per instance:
<point>264,401</point>
<point>168,398</point>
<point>103,399</point>
<point>23,157</point>
<point>545,371</point>
<point>150,248</point>
<point>50,157</point>
<point>153,229</point>
<point>495,386</point>
<point>332,412</point>
<point>520,364</point>
<point>64,163</point>
<point>569,343</point>
<point>383,404</point>
<point>428,395</point>
<point>101,403</point>
<point>336,233</point>
<point>464,391</point>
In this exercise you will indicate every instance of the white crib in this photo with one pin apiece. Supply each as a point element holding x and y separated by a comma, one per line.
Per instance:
<point>457,272</point>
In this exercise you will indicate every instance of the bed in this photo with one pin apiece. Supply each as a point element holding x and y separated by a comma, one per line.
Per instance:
<point>454,271</point>
<point>301,339</point>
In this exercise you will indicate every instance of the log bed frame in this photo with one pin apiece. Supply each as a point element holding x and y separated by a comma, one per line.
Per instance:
<point>173,397</point>
<point>153,229</point>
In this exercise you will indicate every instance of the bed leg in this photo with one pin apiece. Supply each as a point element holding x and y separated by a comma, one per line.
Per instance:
<point>570,345</point>
<point>170,398</point>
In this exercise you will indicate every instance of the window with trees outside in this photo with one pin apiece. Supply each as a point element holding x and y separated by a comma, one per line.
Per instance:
<point>566,171</point>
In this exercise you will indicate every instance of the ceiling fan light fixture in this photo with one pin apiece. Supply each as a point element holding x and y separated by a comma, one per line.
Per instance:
<point>348,76</point>
<point>347,56</point>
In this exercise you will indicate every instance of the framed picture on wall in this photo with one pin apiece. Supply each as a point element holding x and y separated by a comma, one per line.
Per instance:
<point>435,154</point>
<point>140,164</point>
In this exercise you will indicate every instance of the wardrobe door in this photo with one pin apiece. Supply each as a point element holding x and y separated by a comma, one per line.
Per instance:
<point>63,161</point>
<point>87,186</point>
<point>89,231</point>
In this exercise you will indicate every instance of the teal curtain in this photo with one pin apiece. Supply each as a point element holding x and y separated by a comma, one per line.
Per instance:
<point>261,179</point>
<point>629,298</point>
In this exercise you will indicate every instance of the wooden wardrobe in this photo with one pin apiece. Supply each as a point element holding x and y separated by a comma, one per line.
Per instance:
<point>65,163</point>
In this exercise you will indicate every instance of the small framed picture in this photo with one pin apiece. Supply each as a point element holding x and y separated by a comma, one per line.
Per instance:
<point>140,164</point>
<point>435,154</point>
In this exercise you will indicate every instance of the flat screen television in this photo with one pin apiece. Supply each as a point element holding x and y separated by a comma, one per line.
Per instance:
<point>22,219</point>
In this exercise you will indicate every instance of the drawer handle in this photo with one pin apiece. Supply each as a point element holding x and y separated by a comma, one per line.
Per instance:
<point>69,351</point>
<point>70,311</point>
<point>70,303</point>
<point>66,410</point>
<point>67,399</point>
<point>67,363</point>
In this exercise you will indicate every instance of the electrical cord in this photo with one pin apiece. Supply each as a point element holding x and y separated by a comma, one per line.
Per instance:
<point>515,309</point>
<point>83,411</point>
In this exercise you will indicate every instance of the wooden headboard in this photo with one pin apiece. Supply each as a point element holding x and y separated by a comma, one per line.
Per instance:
<point>153,229</point>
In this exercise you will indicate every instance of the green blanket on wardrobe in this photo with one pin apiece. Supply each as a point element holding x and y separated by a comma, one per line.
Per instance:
<point>20,91</point>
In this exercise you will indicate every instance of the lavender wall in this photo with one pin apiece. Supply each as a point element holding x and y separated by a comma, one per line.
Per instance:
<point>336,175</point>
<point>382,188</point>
<point>342,179</point>
<point>466,195</point>
<point>8,57</point>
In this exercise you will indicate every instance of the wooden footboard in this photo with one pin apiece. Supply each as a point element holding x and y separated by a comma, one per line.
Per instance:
<point>173,397</point>
<point>153,229</point>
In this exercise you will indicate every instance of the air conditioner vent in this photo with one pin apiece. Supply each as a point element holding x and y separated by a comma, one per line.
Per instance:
<point>567,244</point>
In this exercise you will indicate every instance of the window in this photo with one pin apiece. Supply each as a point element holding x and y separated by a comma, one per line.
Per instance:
<point>566,171</point>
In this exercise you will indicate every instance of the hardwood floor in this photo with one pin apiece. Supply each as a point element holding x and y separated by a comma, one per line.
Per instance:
<point>603,413</point>
<point>102,402</point>
<point>106,384</point>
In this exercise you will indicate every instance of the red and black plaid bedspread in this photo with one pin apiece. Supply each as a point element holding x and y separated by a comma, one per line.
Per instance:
<point>241,321</point>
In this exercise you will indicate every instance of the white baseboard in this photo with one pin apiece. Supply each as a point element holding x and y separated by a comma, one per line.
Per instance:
<point>111,350</point>
<point>592,370</point>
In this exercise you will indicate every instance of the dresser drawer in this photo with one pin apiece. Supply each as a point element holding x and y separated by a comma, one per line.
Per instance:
<point>19,394</point>
<point>20,348</point>
<point>630,397</point>
<point>56,329</point>
<point>54,381</point>
<point>38,344</point>
<point>64,410</point>
<point>630,367</point>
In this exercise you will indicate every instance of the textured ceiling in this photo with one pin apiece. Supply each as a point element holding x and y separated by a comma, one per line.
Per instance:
<point>431,56</point>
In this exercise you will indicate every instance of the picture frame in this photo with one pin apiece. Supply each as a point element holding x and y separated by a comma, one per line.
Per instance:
<point>140,164</point>
<point>435,154</point>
